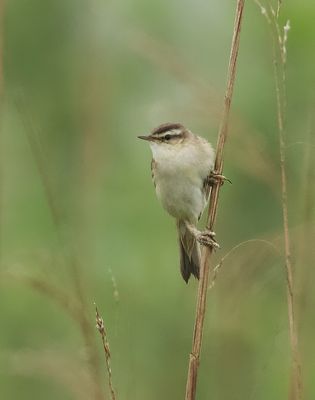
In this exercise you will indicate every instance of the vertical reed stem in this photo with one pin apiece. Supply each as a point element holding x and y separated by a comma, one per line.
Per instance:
<point>296,375</point>
<point>191,384</point>
<point>279,61</point>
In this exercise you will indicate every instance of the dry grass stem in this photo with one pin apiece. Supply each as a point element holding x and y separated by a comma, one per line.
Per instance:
<point>191,384</point>
<point>279,41</point>
<point>56,294</point>
<point>246,242</point>
<point>86,328</point>
<point>101,328</point>
<point>166,58</point>
<point>2,12</point>
<point>33,135</point>
<point>307,209</point>
<point>53,364</point>
<point>296,380</point>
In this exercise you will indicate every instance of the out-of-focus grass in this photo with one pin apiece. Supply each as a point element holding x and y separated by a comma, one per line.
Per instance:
<point>91,84</point>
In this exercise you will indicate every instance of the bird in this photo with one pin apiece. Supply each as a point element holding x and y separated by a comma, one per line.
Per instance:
<point>182,169</point>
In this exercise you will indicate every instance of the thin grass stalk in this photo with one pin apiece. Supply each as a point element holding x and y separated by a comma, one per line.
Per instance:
<point>307,209</point>
<point>101,328</point>
<point>74,265</point>
<point>191,384</point>
<point>279,62</point>
<point>296,375</point>
<point>2,11</point>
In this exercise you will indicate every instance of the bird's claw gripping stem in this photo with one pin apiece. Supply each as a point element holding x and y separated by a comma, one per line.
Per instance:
<point>214,178</point>
<point>206,238</point>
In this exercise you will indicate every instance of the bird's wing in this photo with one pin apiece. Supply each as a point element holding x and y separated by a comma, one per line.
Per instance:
<point>189,252</point>
<point>206,188</point>
<point>153,166</point>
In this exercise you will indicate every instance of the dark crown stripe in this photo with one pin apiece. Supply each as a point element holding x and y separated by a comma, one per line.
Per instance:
<point>166,127</point>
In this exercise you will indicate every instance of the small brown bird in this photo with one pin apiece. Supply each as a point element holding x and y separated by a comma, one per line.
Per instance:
<point>182,172</point>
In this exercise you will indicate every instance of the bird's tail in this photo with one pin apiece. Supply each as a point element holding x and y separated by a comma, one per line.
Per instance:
<point>189,253</point>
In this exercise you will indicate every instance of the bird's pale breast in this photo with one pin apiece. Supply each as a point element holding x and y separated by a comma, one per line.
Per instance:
<point>179,175</point>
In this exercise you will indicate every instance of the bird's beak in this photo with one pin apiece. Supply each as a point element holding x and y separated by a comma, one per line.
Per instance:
<point>149,138</point>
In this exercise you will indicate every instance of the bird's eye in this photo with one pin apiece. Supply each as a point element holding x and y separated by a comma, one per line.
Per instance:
<point>167,137</point>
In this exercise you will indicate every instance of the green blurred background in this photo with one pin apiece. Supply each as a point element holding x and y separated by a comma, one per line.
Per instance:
<point>80,221</point>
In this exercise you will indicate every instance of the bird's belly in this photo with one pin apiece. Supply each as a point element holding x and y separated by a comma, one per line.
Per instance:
<point>183,199</point>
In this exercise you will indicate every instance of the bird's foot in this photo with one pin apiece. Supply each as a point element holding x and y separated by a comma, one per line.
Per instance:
<point>216,178</point>
<point>207,238</point>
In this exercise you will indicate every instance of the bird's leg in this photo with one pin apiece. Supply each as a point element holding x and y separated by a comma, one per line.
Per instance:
<point>206,238</point>
<point>214,178</point>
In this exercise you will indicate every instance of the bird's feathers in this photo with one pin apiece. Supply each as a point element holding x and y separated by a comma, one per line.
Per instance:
<point>189,251</point>
<point>179,173</point>
<point>180,166</point>
<point>153,166</point>
<point>167,127</point>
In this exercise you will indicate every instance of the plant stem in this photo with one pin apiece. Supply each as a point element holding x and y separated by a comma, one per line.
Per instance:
<point>82,317</point>
<point>101,328</point>
<point>279,60</point>
<point>296,377</point>
<point>191,384</point>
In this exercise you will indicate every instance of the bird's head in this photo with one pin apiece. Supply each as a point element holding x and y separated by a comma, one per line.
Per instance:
<point>169,134</point>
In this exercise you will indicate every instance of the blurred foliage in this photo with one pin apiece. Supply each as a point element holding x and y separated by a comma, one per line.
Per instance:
<point>79,215</point>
